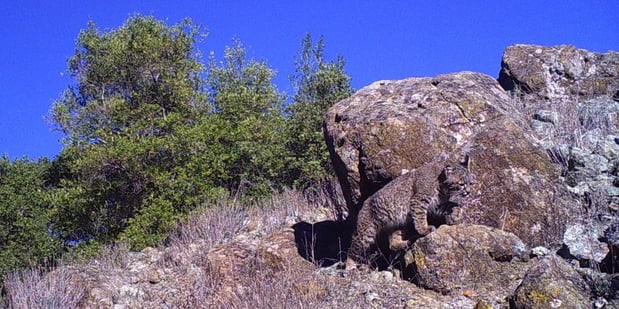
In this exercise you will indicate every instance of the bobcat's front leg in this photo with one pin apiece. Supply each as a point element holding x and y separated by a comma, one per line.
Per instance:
<point>419,214</point>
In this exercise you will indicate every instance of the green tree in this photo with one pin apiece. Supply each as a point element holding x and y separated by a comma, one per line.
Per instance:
<point>25,238</point>
<point>247,104</point>
<point>135,145</point>
<point>318,85</point>
<point>138,80</point>
<point>148,137</point>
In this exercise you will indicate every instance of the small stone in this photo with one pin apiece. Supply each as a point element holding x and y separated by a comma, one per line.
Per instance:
<point>387,275</point>
<point>610,150</point>
<point>540,251</point>
<point>411,304</point>
<point>543,129</point>
<point>600,303</point>
<point>375,276</point>
<point>547,116</point>
<point>131,291</point>
<point>555,303</point>
<point>154,277</point>
<point>371,297</point>
<point>483,305</point>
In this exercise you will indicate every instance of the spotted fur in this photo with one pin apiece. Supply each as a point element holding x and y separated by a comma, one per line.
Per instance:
<point>407,200</point>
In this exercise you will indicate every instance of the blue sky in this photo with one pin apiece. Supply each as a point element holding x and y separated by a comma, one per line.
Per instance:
<point>378,39</point>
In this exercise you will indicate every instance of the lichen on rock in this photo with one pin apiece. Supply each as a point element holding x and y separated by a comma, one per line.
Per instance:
<point>392,126</point>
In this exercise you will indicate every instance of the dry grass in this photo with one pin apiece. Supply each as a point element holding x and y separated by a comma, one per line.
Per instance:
<point>209,226</point>
<point>255,287</point>
<point>214,224</point>
<point>264,289</point>
<point>38,289</point>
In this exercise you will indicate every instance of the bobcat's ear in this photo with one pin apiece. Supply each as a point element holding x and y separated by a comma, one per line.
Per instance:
<point>443,157</point>
<point>465,160</point>
<point>446,172</point>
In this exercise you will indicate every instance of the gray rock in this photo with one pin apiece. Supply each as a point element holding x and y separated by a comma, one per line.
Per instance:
<point>582,242</point>
<point>600,303</point>
<point>612,233</point>
<point>545,124</point>
<point>540,251</point>
<point>547,116</point>
<point>590,140</point>
<point>544,130</point>
<point>594,177</point>
<point>586,169</point>
<point>552,283</point>
<point>599,113</point>
<point>591,164</point>
<point>559,72</point>
<point>484,260</point>
<point>610,149</point>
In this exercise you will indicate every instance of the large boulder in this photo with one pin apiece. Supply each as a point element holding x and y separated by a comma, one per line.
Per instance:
<point>392,126</point>
<point>485,261</point>
<point>560,72</point>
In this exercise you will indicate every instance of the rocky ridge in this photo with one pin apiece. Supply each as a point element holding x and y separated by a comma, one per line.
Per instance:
<point>540,230</point>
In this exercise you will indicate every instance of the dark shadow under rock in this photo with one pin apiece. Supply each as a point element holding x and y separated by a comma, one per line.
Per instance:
<point>326,243</point>
<point>323,243</point>
<point>610,264</point>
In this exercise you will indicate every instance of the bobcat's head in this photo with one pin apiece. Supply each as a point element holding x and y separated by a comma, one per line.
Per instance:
<point>455,181</point>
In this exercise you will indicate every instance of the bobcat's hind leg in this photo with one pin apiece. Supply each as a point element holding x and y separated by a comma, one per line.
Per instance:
<point>397,241</point>
<point>362,240</point>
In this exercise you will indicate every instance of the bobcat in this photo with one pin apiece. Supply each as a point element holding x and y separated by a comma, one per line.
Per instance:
<point>407,199</point>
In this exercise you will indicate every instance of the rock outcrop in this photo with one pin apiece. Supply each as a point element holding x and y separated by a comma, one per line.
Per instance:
<point>560,72</point>
<point>552,283</point>
<point>391,126</point>
<point>543,150</point>
<point>570,98</point>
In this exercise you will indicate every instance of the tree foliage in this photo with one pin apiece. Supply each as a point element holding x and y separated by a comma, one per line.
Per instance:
<point>25,239</point>
<point>131,126</point>
<point>247,104</point>
<point>319,84</point>
<point>151,132</point>
<point>137,80</point>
